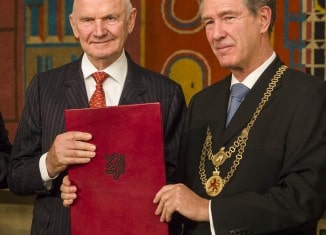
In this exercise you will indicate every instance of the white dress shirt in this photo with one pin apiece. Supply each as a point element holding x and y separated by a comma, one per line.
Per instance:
<point>112,86</point>
<point>249,82</point>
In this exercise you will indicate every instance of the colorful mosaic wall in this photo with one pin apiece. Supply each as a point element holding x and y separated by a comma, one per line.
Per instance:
<point>314,36</point>
<point>307,47</point>
<point>49,41</point>
<point>299,38</point>
<point>170,38</point>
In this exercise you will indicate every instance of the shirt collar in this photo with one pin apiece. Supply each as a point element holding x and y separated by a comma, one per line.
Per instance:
<point>117,70</point>
<point>252,78</point>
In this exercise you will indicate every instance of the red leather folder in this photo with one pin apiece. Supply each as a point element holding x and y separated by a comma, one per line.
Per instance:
<point>116,189</point>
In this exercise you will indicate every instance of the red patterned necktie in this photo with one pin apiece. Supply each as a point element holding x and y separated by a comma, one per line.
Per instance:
<point>98,98</point>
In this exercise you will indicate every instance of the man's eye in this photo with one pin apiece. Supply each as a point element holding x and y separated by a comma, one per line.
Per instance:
<point>208,22</point>
<point>229,18</point>
<point>86,20</point>
<point>111,19</point>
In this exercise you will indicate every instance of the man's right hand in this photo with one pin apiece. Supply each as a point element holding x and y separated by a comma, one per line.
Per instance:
<point>67,149</point>
<point>68,192</point>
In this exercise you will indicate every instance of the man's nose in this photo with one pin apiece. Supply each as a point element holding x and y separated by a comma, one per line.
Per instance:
<point>100,28</point>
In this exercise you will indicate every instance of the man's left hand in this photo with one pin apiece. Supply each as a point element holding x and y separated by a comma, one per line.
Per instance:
<point>179,198</point>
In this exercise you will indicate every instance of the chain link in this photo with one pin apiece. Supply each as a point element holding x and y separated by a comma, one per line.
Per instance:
<point>241,141</point>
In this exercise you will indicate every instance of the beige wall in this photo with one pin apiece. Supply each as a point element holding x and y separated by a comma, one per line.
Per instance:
<point>15,214</point>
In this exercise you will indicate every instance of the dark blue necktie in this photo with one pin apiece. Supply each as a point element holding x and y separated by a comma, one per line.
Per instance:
<point>237,95</point>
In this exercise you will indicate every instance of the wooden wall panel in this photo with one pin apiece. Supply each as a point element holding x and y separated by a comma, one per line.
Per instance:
<point>11,41</point>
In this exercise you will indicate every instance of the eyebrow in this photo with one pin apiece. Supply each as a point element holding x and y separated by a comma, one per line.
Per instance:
<point>220,14</point>
<point>226,12</point>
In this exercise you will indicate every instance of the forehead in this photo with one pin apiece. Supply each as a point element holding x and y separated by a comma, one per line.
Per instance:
<point>220,6</point>
<point>91,7</point>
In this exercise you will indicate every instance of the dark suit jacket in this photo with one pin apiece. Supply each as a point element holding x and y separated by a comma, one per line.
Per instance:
<point>52,92</point>
<point>5,150</point>
<point>280,182</point>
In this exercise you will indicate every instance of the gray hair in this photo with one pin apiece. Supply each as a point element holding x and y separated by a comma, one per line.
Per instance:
<point>127,3</point>
<point>128,7</point>
<point>254,5</point>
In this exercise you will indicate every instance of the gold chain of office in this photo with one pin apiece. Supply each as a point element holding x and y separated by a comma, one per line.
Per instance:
<point>215,183</point>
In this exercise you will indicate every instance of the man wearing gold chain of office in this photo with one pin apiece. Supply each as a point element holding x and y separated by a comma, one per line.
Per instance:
<point>253,157</point>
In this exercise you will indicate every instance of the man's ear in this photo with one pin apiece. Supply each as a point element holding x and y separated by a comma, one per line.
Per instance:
<point>73,25</point>
<point>132,20</point>
<point>265,16</point>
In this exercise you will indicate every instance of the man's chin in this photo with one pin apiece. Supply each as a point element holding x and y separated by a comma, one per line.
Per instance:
<point>102,53</point>
<point>100,56</point>
<point>225,64</point>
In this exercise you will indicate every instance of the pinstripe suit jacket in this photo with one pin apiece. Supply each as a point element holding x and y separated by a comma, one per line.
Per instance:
<point>48,95</point>
<point>279,186</point>
<point>5,150</point>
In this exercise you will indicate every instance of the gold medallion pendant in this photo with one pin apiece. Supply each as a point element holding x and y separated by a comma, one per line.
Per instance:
<point>219,158</point>
<point>214,185</point>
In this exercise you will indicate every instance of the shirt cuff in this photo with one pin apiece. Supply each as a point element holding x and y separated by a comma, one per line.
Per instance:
<point>47,180</point>
<point>211,224</point>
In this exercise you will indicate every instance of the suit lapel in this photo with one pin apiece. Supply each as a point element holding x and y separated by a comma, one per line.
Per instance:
<point>76,96</point>
<point>134,86</point>
<point>218,107</point>
<point>251,102</point>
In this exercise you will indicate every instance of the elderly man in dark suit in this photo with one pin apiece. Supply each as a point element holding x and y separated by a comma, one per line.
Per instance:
<point>5,150</point>
<point>42,149</point>
<point>262,170</point>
